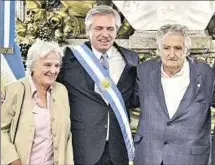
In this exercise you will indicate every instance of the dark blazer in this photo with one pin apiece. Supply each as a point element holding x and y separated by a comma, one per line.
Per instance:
<point>185,138</point>
<point>213,135</point>
<point>89,112</point>
<point>213,67</point>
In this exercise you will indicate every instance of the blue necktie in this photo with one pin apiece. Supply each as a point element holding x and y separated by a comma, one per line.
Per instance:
<point>104,61</point>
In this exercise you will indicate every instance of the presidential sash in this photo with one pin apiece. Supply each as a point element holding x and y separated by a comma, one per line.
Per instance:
<point>109,90</point>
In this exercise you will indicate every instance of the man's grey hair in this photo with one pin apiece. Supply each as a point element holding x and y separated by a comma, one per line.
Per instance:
<point>174,28</point>
<point>41,49</point>
<point>103,10</point>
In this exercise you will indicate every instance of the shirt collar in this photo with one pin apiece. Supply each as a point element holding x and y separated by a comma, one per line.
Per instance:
<point>99,54</point>
<point>33,87</point>
<point>183,70</point>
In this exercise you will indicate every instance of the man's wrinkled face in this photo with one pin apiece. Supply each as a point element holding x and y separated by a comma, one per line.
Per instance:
<point>173,51</point>
<point>102,32</point>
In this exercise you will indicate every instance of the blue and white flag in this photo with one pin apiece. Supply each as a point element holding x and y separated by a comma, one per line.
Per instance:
<point>12,67</point>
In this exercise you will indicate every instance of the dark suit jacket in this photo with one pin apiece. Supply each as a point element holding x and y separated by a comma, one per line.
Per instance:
<point>213,135</point>
<point>183,139</point>
<point>213,67</point>
<point>89,112</point>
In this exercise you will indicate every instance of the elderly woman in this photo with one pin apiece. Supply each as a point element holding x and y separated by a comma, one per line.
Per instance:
<point>35,124</point>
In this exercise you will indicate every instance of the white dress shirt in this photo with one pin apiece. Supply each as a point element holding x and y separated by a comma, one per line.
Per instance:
<point>116,66</point>
<point>175,87</point>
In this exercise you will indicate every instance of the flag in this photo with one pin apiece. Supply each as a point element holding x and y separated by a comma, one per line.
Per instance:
<point>12,67</point>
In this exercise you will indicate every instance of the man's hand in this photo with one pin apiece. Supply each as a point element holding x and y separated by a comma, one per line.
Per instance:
<point>16,162</point>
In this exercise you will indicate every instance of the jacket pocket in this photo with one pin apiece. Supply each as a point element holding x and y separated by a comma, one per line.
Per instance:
<point>200,150</point>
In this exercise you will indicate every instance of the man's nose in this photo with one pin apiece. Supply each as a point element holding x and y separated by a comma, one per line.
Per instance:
<point>105,33</point>
<point>172,53</point>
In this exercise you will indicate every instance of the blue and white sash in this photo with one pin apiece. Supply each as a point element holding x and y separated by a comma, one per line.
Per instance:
<point>108,89</point>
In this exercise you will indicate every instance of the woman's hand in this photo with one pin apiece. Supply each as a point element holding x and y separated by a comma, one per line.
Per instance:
<point>16,162</point>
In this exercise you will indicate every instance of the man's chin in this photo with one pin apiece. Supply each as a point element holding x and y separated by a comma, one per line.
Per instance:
<point>173,66</point>
<point>104,48</point>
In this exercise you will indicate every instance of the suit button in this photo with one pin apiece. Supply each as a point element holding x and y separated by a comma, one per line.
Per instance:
<point>105,126</point>
<point>165,143</point>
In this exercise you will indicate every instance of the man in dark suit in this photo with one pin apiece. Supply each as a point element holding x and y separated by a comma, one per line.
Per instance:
<point>175,95</point>
<point>97,137</point>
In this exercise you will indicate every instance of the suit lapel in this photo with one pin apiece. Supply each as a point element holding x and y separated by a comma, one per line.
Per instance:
<point>155,79</point>
<point>54,107</point>
<point>91,85</point>
<point>191,92</point>
<point>124,74</point>
<point>28,101</point>
<point>90,82</point>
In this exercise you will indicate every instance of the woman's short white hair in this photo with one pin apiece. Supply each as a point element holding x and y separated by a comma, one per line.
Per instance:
<point>104,10</point>
<point>174,28</point>
<point>41,49</point>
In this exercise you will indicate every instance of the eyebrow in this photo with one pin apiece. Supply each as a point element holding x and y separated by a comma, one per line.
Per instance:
<point>173,46</point>
<point>104,27</point>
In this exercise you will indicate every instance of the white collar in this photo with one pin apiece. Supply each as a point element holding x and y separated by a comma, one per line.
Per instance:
<point>99,54</point>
